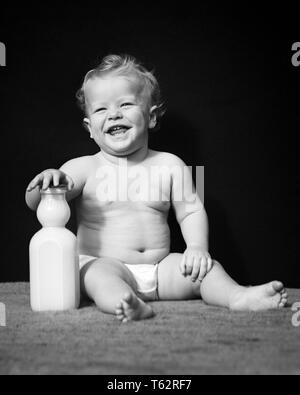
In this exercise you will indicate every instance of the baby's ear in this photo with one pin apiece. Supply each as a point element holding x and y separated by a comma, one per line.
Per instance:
<point>87,125</point>
<point>152,117</point>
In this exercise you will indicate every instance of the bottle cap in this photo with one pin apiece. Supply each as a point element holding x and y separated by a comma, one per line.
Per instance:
<point>55,190</point>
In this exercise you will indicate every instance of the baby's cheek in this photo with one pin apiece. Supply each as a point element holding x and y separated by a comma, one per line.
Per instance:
<point>137,116</point>
<point>97,128</point>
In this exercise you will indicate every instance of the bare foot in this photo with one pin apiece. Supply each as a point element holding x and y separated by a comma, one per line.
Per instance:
<point>260,298</point>
<point>132,308</point>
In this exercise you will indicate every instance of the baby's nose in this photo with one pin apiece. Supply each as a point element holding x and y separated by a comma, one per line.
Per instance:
<point>115,114</point>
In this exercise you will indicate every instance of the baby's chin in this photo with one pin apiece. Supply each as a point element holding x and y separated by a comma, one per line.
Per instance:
<point>120,152</point>
<point>124,148</point>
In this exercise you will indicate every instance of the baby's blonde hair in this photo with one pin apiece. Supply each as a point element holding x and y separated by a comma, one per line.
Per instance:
<point>126,65</point>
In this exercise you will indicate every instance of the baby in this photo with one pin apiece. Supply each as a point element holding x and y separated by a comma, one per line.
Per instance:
<point>123,234</point>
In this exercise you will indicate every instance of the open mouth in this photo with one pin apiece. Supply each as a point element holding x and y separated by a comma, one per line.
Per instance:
<point>117,130</point>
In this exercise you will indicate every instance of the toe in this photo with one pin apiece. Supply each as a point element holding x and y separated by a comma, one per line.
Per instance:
<point>283,302</point>
<point>277,286</point>
<point>127,300</point>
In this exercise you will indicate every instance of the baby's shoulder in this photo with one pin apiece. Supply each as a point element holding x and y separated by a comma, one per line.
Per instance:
<point>165,158</point>
<point>81,160</point>
<point>79,164</point>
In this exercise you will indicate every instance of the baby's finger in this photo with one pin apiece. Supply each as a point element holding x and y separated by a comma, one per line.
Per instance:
<point>210,264</point>
<point>33,183</point>
<point>70,182</point>
<point>196,269</point>
<point>30,187</point>
<point>189,262</point>
<point>182,265</point>
<point>47,180</point>
<point>56,179</point>
<point>203,269</point>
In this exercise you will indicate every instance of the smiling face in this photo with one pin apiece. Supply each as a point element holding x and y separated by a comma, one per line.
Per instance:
<point>118,114</point>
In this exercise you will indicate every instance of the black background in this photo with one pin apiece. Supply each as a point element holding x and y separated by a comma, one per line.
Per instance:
<point>232,97</point>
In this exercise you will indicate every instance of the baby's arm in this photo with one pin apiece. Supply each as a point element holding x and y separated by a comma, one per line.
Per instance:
<point>191,216</point>
<point>73,174</point>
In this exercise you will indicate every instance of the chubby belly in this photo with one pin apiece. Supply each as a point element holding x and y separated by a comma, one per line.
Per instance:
<point>134,238</point>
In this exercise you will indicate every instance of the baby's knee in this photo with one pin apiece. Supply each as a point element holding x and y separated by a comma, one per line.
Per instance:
<point>91,277</point>
<point>216,265</point>
<point>100,267</point>
<point>215,268</point>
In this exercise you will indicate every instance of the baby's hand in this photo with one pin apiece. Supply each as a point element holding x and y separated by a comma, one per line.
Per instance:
<point>196,263</point>
<point>50,177</point>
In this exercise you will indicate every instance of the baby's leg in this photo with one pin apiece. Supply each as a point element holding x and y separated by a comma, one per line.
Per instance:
<point>217,288</point>
<point>109,283</point>
<point>172,285</point>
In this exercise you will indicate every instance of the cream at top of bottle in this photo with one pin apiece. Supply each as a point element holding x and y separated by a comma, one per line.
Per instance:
<point>53,209</point>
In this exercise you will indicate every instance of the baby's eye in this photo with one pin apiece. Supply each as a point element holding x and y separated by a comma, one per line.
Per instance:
<point>100,109</point>
<point>127,104</point>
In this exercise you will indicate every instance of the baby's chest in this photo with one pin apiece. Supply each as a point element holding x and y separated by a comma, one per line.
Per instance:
<point>110,188</point>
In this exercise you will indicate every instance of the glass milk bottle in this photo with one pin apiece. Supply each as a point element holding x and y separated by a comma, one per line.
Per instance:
<point>54,267</point>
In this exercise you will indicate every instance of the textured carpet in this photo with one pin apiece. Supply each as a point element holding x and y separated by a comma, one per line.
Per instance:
<point>184,338</point>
